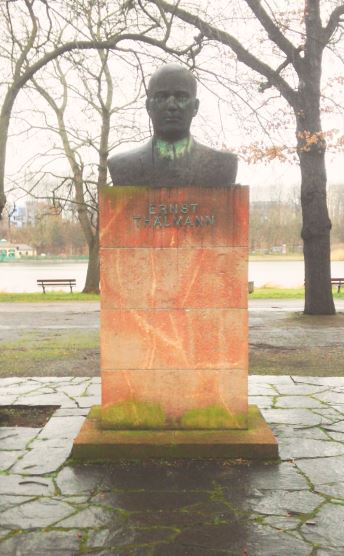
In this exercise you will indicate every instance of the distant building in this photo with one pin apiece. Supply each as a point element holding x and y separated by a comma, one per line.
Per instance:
<point>15,250</point>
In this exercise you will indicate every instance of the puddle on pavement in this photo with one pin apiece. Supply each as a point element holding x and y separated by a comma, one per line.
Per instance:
<point>26,415</point>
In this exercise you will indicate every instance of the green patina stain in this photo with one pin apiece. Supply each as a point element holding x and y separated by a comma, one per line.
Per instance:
<point>173,150</point>
<point>212,417</point>
<point>132,415</point>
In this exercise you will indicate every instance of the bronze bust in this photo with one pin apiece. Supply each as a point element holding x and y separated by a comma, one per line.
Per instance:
<point>172,157</point>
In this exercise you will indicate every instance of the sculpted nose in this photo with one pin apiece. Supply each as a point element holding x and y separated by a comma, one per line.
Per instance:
<point>171,103</point>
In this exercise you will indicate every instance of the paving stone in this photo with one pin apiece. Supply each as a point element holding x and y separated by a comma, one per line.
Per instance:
<point>297,401</point>
<point>337,436</point>
<point>16,438</point>
<point>16,484</point>
<point>335,427</point>
<point>74,390</point>
<point>265,541</point>
<point>151,501</point>
<point>309,448</point>
<point>282,523</point>
<point>284,476</point>
<point>43,512</point>
<point>328,381</point>
<point>339,409</point>
<point>62,427</point>
<point>6,399</point>
<point>180,518</point>
<point>81,478</point>
<point>335,490</point>
<point>119,534</point>
<point>300,389</point>
<point>323,470</point>
<point>176,475</point>
<point>8,458</point>
<point>261,390</point>
<point>328,530</point>
<point>295,416</point>
<point>298,431</point>
<point>42,544</point>
<point>328,551</point>
<point>331,397</point>
<point>270,379</point>
<point>46,399</point>
<point>284,502</point>
<point>223,536</point>
<point>120,537</point>
<point>94,389</point>
<point>261,401</point>
<point>71,412</point>
<point>87,401</point>
<point>92,517</point>
<point>41,460</point>
<point>10,500</point>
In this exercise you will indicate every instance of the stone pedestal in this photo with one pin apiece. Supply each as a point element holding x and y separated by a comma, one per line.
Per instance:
<point>174,330</point>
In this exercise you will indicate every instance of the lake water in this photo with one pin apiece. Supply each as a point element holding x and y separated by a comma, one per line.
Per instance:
<point>21,277</point>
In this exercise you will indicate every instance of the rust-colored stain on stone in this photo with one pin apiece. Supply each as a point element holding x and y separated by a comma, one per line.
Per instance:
<point>174,297</point>
<point>174,217</point>
<point>174,339</point>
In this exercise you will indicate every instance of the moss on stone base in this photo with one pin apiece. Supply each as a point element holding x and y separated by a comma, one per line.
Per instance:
<point>132,415</point>
<point>212,417</point>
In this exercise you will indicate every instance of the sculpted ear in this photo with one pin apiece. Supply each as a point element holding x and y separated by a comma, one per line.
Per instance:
<point>196,107</point>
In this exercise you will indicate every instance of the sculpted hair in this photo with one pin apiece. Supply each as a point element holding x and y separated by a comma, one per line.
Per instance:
<point>172,68</point>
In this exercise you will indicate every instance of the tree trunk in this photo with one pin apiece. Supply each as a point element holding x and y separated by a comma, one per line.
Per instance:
<point>316,234</point>
<point>92,277</point>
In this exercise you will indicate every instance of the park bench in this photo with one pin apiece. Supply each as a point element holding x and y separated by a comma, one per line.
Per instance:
<point>337,282</point>
<point>71,282</point>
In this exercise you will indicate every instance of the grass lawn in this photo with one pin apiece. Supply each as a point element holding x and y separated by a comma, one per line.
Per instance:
<point>49,296</point>
<point>259,293</point>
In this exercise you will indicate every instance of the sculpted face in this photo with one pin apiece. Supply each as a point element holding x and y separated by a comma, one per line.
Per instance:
<point>171,102</point>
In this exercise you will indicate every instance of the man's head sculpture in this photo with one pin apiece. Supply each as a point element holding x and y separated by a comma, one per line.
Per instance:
<point>171,102</point>
<point>172,158</point>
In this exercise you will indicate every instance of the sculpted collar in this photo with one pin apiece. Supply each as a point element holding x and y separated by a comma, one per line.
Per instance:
<point>163,149</point>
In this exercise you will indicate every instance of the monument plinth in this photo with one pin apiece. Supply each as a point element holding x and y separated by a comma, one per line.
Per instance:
<point>174,332</point>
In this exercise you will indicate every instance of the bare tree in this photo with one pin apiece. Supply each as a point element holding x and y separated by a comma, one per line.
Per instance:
<point>93,87</point>
<point>36,32</point>
<point>297,78</point>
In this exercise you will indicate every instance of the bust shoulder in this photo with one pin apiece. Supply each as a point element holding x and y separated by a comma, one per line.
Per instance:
<point>128,167</point>
<point>214,166</point>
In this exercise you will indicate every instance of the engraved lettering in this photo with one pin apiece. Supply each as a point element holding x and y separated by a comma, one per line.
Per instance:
<point>188,221</point>
<point>210,220</point>
<point>178,220</point>
<point>173,214</point>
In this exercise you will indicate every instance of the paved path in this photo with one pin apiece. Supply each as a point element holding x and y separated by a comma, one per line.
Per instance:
<point>50,505</point>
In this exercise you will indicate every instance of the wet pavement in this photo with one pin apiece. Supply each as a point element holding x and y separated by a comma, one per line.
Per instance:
<point>52,505</point>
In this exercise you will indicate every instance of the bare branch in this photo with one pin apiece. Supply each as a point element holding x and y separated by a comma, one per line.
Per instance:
<point>275,34</point>
<point>242,53</point>
<point>333,22</point>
